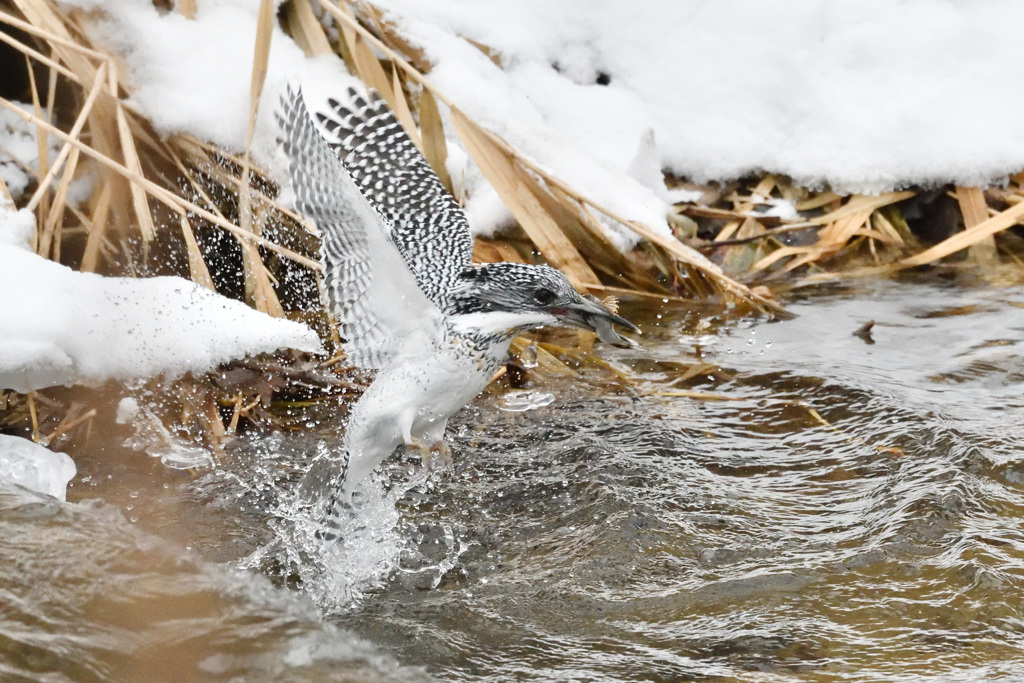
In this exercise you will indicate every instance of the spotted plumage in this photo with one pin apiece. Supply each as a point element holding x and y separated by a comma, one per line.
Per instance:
<point>427,224</point>
<point>396,252</point>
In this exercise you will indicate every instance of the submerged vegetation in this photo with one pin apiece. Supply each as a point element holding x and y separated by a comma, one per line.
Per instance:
<point>151,205</point>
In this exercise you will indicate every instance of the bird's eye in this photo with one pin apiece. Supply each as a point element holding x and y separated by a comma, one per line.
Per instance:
<point>544,296</point>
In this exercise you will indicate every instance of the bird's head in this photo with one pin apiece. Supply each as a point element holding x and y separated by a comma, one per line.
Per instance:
<point>510,297</point>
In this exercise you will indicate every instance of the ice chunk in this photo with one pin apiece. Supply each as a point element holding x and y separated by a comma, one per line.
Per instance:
<point>38,469</point>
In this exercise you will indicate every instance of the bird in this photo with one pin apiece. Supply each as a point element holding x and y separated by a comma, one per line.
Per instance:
<point>398,274</point>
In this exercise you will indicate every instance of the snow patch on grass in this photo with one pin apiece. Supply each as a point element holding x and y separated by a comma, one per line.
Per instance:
<point>64,327</point>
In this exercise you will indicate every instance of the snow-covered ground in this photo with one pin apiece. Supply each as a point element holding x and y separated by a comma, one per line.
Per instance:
<point>863,96</point>
<point>59,326</point>
<point>868,95</point>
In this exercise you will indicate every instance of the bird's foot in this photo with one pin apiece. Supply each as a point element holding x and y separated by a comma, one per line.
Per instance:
<point>439,456</point>
<point>434,456</point>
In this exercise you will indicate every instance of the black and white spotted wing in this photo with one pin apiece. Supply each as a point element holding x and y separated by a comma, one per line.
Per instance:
<point>380,307</point>
<point>428,225</point>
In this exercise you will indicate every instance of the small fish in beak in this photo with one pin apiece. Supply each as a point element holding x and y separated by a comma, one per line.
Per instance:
<point>591,314</point>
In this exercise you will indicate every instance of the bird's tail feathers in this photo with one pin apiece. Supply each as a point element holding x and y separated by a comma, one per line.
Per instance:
<point>339,506</point>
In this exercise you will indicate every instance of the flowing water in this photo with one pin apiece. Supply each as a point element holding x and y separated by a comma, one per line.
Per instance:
<point>734,500</point>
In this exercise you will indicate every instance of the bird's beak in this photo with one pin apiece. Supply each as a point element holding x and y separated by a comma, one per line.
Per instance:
<point>589,314</point>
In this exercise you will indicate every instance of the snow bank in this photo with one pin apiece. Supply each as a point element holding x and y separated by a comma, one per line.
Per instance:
<point>864,96</point>
<point>58,326</point>
<point>36,468</point>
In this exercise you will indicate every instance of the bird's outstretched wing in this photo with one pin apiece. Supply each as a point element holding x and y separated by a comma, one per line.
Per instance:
<point>427,223</point>
<point>380,307</point>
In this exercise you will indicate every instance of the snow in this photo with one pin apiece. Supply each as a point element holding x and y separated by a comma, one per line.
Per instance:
<point>64,327</point>
<point>19,157</point>
<point>18,150</point>
<point>28,464</point>
<point>862,97</point>
<point>127,410</point>
<point>193,76</point>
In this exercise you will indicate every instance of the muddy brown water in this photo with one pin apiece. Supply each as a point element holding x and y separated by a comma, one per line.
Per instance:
<point>851,511</point>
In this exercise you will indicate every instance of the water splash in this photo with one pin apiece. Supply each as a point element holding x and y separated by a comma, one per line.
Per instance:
<point>152,437</point>
<point>381,543</point>
<point>523,400</point>
<point>335,574</point>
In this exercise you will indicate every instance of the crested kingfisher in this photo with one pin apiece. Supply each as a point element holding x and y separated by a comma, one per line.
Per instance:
<point>410,304</point>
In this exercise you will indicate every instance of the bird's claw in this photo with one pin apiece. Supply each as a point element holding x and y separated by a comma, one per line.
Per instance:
<point>435,455</point>
<point>440,456</point>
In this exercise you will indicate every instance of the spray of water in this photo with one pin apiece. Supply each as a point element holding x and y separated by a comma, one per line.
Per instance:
<point>377,544</point>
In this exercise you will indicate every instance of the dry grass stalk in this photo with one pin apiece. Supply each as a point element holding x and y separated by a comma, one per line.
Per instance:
<point>68,424</point>
<point>5,193</point>
<point>197,269</point>
<point>403,113</point>
<point>306,29</point>
<point>187,8</point>
<point>52,39</point>
<point>435,147</point>
<point>174,202</point>
<point>511,185</point>
<point>696,395</point>
<point>975,211</point>
<point>367,65</point>
<point>846,224</point>
<point>76,131</point>
<point>962,240</point>
<point>34,414</point>
<point>859,203</point>
<point>42,157</point>
<point>140,202</point>
<point>95,240</point>
<point>972,205</point>
<point>257,280</point>
<point>38,56</point>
